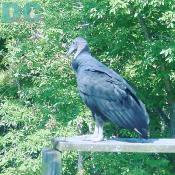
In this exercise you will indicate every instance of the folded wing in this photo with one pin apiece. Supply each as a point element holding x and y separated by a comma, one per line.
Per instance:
<point>112,97</point>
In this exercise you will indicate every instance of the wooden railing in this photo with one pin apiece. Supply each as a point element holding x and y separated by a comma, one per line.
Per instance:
<point>52,157</point>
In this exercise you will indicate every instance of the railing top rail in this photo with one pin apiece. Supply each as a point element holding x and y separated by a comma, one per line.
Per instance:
<point>116,145</point>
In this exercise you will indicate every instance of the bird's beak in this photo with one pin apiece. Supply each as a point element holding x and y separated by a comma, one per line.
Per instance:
<point>72,48</point>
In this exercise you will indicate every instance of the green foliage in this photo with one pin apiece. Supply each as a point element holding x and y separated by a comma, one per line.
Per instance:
<point>132,164</point>
<point>39,99</point>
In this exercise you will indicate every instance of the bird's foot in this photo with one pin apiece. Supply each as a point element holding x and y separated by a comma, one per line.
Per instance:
<point>95,139</point>
<point>91,137</point>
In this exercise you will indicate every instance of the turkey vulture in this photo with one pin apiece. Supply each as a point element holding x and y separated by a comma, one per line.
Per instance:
<point>106,93</point>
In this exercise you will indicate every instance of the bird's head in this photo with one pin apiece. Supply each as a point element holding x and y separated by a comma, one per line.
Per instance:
<point>78,45</point>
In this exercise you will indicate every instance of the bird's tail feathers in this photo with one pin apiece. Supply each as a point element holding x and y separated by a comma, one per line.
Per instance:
<point>143,132</point>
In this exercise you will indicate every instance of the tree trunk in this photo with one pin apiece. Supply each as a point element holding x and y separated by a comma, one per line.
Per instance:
<point>172,120</point>
<point>80,163</point>
<point>171,101</point>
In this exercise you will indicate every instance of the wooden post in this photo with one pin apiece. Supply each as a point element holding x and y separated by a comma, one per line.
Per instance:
<point>51,162</point>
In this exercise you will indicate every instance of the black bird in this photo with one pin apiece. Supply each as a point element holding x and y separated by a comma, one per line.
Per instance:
<point>106,93</point>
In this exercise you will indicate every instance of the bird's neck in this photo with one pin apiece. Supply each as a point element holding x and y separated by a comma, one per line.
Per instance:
<point>81,59</point>
<point>81,50</point>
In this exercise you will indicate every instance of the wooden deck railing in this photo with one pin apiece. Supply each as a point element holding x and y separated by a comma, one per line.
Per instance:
<point>52,157</point>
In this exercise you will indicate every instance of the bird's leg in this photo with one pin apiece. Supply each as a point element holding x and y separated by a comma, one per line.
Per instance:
<point>98,132</point>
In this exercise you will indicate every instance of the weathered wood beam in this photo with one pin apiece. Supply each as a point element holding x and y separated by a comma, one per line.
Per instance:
<point>116,145</point>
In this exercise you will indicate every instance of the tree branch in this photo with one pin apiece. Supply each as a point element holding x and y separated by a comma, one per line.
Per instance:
<point>144,27</point>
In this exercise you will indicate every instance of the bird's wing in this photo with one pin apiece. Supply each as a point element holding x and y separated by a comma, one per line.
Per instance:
<point>95,65</point>
<point>112,98</point>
